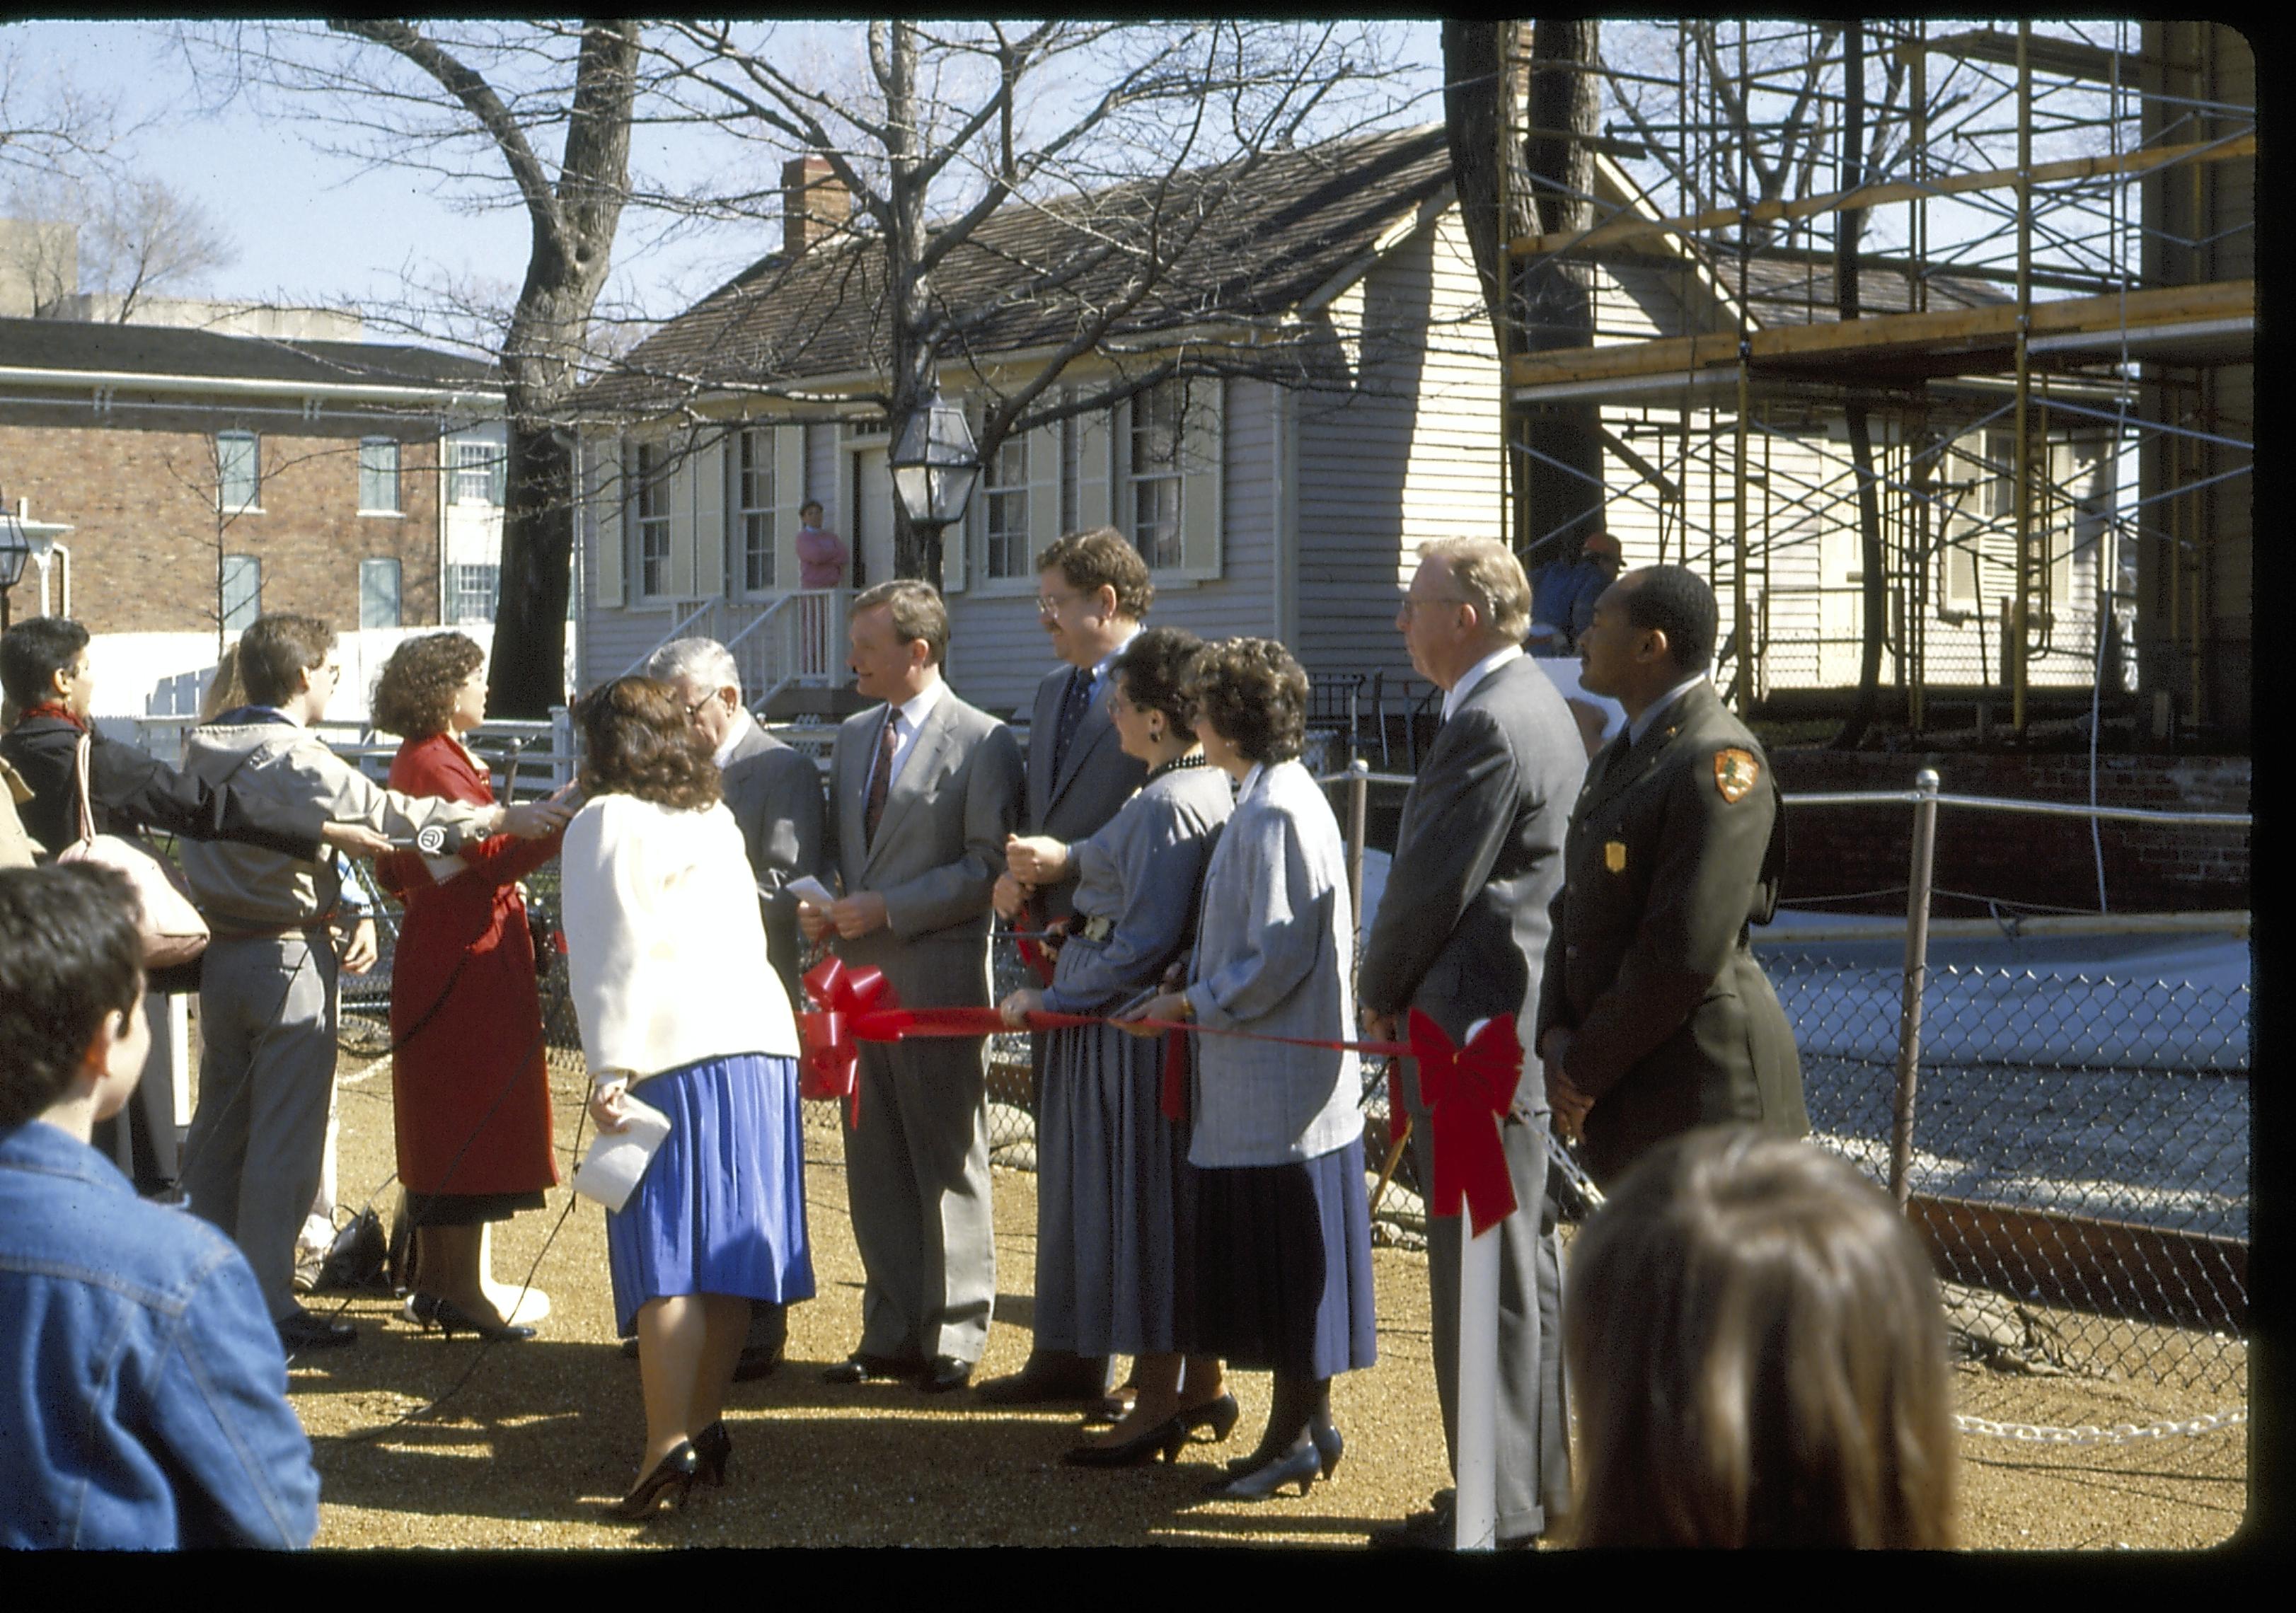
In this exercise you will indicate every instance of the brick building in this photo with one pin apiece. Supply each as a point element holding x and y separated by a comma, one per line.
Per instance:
<point>209,478</point>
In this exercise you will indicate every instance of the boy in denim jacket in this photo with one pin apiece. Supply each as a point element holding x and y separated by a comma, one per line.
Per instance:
<point>142,1395</point>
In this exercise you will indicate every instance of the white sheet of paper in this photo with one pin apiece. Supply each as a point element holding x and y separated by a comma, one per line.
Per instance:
<point>443,869</point>
<point>806,888</point>
<point>610,1172</point>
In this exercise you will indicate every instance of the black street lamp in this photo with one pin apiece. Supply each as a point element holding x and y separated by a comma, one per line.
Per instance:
<point>934,465</point>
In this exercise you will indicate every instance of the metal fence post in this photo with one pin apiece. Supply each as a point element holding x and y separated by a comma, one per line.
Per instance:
<point>562,746</point>
<point>1917,968</point>
<point>1358,792</point>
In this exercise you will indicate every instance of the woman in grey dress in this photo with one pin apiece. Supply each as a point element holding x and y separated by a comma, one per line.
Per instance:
<point>1281,1228</point>
<point>1113,1250</point>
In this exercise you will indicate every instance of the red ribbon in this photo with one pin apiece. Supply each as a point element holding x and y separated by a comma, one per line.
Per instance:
<point>1467,1091</point>
<point>843,997</point>
<point>1172,1097</point>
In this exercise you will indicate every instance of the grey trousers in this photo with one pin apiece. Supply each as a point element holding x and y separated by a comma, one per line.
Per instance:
<point>1533,1480</point>
<point>916,1178</point>
<point>258,1136</point>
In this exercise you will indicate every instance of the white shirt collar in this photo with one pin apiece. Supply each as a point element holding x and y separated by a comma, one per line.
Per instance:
<point>1250,780</point>
<point>1476,673</point>
<point>741,725</point>
<point>1658,708</point>
<point>919,707</point>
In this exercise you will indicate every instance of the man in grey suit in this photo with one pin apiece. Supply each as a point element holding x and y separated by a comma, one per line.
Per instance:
<point>924,790</point>
<point>773,791</point>
<point>1461,934</point>
<point>1093,591</point>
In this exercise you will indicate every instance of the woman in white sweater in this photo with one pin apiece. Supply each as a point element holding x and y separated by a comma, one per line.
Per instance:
<point>667,955</point>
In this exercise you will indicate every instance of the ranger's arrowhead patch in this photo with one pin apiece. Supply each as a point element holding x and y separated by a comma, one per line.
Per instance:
<point>1735,773</point>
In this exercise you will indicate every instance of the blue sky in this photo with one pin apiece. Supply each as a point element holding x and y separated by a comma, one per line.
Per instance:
<point>316,228</point>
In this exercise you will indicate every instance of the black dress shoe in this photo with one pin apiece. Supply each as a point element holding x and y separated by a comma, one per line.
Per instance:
<point>300,1331</point>
<point>1436,1530</point>
<point>946,1373</point>
<point>1044,1381</point>
<point>755,1362</point>
<point>861,1367</point>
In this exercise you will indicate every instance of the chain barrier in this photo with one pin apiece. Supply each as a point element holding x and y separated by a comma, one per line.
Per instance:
<point>2026,1433</point>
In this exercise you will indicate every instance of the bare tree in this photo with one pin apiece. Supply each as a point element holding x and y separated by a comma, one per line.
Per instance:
<point>1059,178</point>
<point>47,122</point>
<point>480,104</point>
<point>136,238</point>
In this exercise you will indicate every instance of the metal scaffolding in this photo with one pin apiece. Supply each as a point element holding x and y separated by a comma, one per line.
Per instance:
<point>2015,263</point>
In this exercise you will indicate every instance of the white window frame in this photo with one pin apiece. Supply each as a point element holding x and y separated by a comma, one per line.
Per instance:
<point>1165,549</point>
<point>477,460</point>
<point>649,516</point>
<point>458,588</point>
<point>227,460</point>
<point>756,532</point>
<point>375,448</point>
<point>1006,490</point>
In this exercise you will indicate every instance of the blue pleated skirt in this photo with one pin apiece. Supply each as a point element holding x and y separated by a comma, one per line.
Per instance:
<point>721,1206</point>
<point>1282,1266</point>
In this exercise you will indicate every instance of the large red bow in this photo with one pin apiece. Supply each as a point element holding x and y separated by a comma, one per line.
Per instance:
<point>1467,1091</point>
<point>843,997</point>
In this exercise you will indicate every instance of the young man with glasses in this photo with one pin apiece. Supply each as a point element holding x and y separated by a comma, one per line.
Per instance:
<point>255,1154</point>
<point>1093,594</point>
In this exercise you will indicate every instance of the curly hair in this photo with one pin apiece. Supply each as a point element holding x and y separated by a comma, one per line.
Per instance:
<point>414,697</point>
<point>1256,695</point>
<point>637,742</point>
<point>1154,667</point>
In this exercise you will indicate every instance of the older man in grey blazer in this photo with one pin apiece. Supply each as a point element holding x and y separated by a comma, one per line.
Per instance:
<point>924,790</point>
<point>1093,590</point>
<point>1461,934</point>
<point>773,791</point>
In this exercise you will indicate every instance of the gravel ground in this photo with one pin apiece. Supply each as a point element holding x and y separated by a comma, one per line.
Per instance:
<point>528,1444</point>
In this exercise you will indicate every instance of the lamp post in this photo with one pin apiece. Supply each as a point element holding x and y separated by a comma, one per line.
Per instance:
<point>934,465</point>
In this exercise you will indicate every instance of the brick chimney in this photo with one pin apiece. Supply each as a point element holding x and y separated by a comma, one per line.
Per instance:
<point>814,203</point>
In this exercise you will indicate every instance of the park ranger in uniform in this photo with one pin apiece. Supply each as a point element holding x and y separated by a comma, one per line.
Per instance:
<point>1653,1017</point>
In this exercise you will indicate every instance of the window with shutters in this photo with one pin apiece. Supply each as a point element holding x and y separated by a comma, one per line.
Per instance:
<point>1155,474</point>
<point>478,473</point>
<point>472,593</point>
<point>651,517</point>
<point>1004,482</point>
<point>754,508</point>
<point>378,470</point>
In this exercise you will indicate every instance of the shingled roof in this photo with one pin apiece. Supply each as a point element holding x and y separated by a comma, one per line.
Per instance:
<point>67,344</point>
<point>1275,230</point>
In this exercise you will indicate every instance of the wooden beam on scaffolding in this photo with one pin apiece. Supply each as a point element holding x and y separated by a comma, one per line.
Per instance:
<point>2138,163</point>
<point>2066,57</point>
<point>1883,335</point>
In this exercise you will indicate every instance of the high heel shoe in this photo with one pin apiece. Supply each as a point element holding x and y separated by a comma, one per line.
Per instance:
<point>712,1446</point>
<point>450,1319</point>
<point>1300,1466</point>
<point>1166,1436</point>
<point>678,1468</point>
<point>1217,1415</point>
<point>1329,1447</point>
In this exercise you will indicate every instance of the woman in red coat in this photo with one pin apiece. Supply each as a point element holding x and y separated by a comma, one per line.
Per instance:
<point>472,1090</point>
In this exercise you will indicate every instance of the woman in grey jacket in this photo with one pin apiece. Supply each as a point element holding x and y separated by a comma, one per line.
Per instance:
<point>1283,1231</point>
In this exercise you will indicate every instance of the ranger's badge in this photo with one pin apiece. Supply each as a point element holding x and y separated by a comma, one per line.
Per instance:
<point>1614,855</point>
<point>1735,773</point>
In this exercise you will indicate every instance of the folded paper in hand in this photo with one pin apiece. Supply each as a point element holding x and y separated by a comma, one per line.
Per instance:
<point>805,888</point>
<point>610,1173</point>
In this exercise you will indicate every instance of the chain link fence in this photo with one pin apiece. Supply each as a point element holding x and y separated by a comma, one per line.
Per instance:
<point>2075,1148</point>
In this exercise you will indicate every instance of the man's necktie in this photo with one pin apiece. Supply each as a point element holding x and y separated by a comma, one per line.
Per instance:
<point>1079,701</point>
<point>880,777</point>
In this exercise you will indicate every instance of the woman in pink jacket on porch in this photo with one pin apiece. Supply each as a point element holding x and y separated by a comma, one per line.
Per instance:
<point>820,553</point>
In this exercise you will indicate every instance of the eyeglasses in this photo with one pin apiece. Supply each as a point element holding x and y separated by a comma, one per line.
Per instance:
<point>694,710</point>
<point>1049,604</point>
